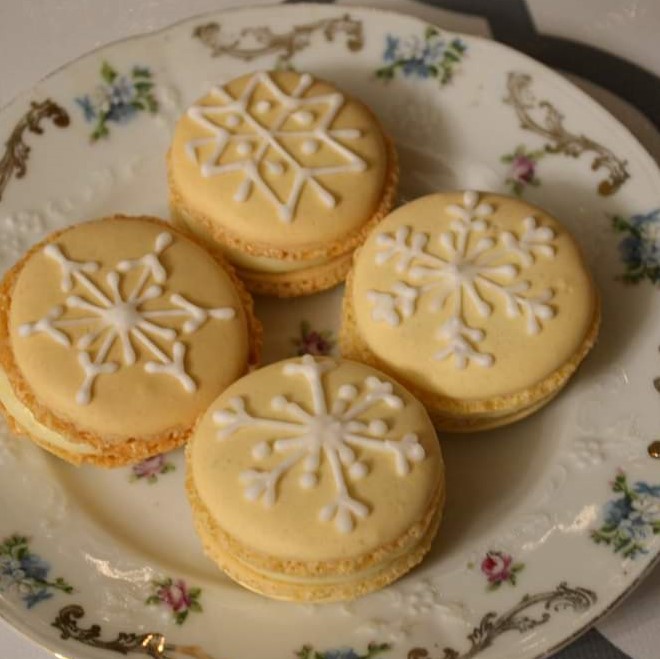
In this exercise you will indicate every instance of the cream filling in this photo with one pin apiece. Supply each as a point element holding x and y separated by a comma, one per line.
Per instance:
<point>333,579</point>
<point>246,261</point>
<point>265,264</point>
<point>26,420</point>
<point>330,580</point>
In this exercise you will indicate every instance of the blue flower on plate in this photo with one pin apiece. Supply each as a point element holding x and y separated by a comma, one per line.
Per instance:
<point>641,487</point>
<point>416,67</point>
<point>373,650</point>
<point>616,511</point>
<point>35,597</point>
<point>341,653</point>
<point>640,247</point>
<point>34,567</point>
<point>27,573</point>
<point>122,91</point>
<point>427,56</point>
<point>86,105</point>
<point>118,99</point>
<point>630,521</point>
<point>120,114</point>
<point>391,47</point>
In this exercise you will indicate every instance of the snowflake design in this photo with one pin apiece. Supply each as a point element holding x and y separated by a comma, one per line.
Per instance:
<point>264,151</point>
<point>330,433</point>
<point>464,270</point>
<point>121,317</point>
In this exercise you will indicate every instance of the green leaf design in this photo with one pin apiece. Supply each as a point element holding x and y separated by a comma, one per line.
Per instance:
<point>141,72</point>
<point>374,649</point>
<point>304,652</point>
<point>431,32</point>
<point>152,104</point>
<point>620,224</point>
<point>100,131</point>
<point>108,74</point>
<point>143,86</point>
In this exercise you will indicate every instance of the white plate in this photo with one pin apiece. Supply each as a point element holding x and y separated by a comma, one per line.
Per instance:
<point>516,570</point>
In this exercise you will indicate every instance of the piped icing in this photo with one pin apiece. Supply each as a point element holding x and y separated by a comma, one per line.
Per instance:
<point>463,267</point>
<point>113,315</point>
<point>470,295</point>
<point>332,433</point>
<point>236,125</point>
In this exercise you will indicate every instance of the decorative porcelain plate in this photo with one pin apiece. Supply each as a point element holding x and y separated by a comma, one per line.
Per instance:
<point>549,522</point>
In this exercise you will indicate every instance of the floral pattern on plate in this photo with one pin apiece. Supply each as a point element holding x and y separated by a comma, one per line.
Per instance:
<point>640,246</point>
<point>498,568</point>
<point>313,342</point>
<point>118,99</point>
<point>373,650</point>
<point>432,56</point>
<point>522,169</point>
<point>148,470</point>
<point>176,596</point>
<point>547,121</point>
<point>631,520</point>
<point>26,572</point>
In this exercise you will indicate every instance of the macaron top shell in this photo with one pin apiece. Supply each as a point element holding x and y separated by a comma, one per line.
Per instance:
<point>124,328</point>
<point>280,159</point>
<point>472,295</point>
<point>314,459</point>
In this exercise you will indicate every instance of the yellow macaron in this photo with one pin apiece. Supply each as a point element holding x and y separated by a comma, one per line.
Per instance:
<point>315,479</point>
<point>115,335</point>
<point>285,174</point>
<point>481,304</point>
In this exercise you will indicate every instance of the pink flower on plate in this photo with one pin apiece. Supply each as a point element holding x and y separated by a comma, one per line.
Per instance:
<point>313,342</point>
<point>151,468</point>
<point>499,567</point>
<point>523,169</point>
<point>176,596</point>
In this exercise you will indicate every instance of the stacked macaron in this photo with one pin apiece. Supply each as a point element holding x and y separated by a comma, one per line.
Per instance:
<point>481,304</point>
<point>283,173</point>
<point>115,335</point>
<point>311,479</point>
<point>315,480</point>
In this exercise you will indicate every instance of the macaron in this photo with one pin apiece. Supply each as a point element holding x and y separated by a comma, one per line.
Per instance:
<point>481,304</point>
<point>285,175</point>
<point>115,336</point>
<point>315,479</point>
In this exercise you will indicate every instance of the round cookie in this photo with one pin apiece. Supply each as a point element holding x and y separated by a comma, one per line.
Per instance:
<point>115,336</point>
<point>479,303</point>
<point>315,480</point>
<point>285,175</point>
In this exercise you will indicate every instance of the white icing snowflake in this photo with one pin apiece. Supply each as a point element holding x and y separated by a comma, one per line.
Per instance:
<point>330,433</point>
<point>263,151</point>
<point>464,269</point>
<point>120,317</point>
